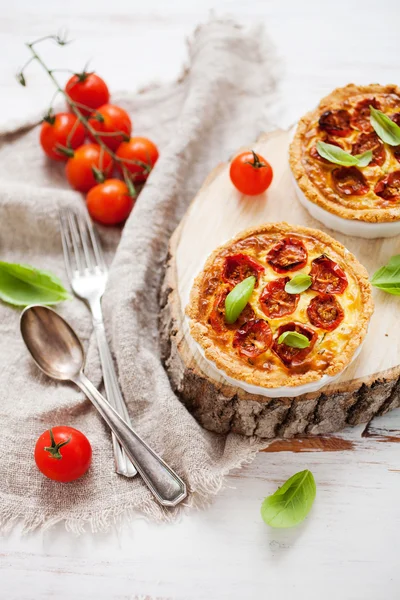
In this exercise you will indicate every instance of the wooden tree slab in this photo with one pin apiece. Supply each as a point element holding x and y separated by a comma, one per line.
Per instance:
<point>370,386</point>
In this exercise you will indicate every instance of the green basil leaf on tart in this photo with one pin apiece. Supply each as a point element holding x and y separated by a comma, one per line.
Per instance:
<point>291,503</point>
<point>385,127</point>
<point>336,155</point>
<point>294,339</point>
<point>299,283</point>
<point>237,299</point>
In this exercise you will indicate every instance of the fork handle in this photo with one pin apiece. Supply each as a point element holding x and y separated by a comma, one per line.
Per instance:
<point>123,464</point>
<point>166,485</point>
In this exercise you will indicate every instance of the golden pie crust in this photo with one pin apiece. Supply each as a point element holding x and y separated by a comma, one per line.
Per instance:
<point>332,351</point>
<point>314,176</point>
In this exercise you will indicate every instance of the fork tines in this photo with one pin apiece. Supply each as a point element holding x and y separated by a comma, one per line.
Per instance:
<point>82,249</point>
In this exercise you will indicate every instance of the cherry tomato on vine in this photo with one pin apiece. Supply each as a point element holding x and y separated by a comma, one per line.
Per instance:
<point>109,119</point>
<point>110,203</point>
<point>250,173</point>
<point>63,453</point>
<point>143,151</point>
<point>61,131</point>
<point>88,161</point>
<point>89,90</point>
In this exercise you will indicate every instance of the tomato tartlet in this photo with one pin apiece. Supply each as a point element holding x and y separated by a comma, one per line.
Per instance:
<point>332,313</point>
<point>356,200</point>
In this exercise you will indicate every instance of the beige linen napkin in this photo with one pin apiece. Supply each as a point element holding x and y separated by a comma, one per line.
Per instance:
<point>222,102</point>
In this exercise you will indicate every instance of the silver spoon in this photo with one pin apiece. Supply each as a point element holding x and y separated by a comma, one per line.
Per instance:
<point>58,352</point>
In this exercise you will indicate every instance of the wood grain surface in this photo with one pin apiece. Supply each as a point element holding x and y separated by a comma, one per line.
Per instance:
<point>348,547</point>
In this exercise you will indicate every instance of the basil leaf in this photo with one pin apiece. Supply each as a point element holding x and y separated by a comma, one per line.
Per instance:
<point>294,339</point>
<point>386,129</point>
<point>237,299</point>
<point>364,159</point>
<point>387,278</point>
<point>22,285</point>
<point>299,283</point>
<point>291,503</point>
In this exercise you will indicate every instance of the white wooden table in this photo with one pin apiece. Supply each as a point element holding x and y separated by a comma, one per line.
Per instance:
<point>348,547</point>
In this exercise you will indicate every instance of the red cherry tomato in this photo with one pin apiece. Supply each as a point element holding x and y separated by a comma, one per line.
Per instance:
<point>89,90</point>
<point>250,173</point>
<point>275,301</point>
<point>293,357</point>
<point>253,338</point>
<point>143,151</point>
<point>349,181</point>
<point>327,277</point>
<point>80,168</point>
<point>361,115</point>
<point>63,453</point>
<point>62,130</point>
<point>108,120</point>
<point>388,188</point>
<point>239,266</point>
<point>289,254</point>
<point>335,122</point>
<point>109,202</point>
<point>324,311</point>
<point>370,141</point>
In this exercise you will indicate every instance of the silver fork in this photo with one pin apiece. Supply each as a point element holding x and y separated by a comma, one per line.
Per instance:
<point>87,273</point>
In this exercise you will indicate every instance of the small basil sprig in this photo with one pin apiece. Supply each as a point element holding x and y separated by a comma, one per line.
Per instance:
<point>291,503</point>
<point>299,283</point>
<point>340,157</point>
<point>238,298</point>
<point>294,339</point>
<point>384,127</point>
<point>387,278</point>
<point>21,285</point>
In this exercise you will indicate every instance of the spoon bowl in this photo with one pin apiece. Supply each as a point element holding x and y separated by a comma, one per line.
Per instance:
<point>53,344</point>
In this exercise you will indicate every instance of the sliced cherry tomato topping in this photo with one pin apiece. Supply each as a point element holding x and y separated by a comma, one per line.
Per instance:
<point>292,357</point>
<point>370,141</point>
<point>328,140</point>
<point>388,188</point>
<point>239,266</point>
<point>275,302</point>
<point>289,254</point>
<point>217,315</point>
<point>349,181</point>
<point>396,149</point>
<point>324,311</point>
<point>327,277</point>
<point>253,338</point>
<point>335,122</point>
<point>361,115</point>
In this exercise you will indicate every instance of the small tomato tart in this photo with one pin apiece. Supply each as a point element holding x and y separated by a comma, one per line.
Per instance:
<point>331,315</point>
<point>355,200</point>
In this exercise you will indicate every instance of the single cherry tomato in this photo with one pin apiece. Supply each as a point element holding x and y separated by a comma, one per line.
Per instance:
<point>217,316</point>
<point>324,311</point>
<point>361,116</point>
<point>275,301</point>
<point>250,173</point>
<point>63,453</point>
<point>349,181</point>
<point>335,122</point>
<point>107,121</point>
<point>60,134</point>
<point>289,254</point>
<point>253,338</point>
<point>240,266</point>
<point>110,203</point>
<point>388,188</point>
<point>293,357</point>
<point>139,156</point>
<point>370,141</point>
<point>87,90</point>
<point>327,277</point>
<point>86,161</point>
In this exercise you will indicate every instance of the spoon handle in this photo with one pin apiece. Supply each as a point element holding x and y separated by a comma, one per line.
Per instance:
<point>166,485</point>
